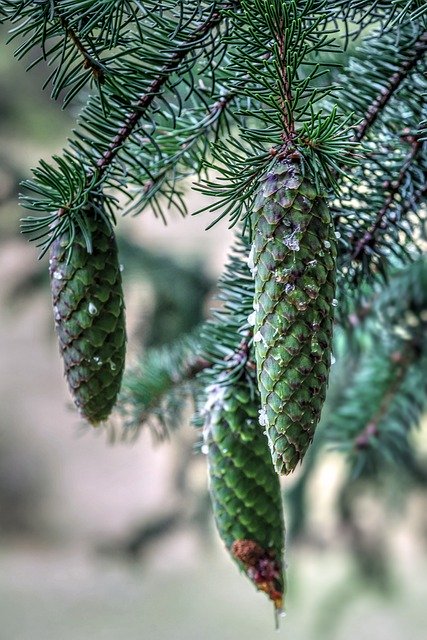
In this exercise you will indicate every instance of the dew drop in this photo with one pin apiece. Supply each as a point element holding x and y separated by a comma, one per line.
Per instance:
<point>333,359</point>
<point>92,308</point>
<point>334,302</point>
<point>326,244</point>
<point>113,366</point>
<point>121,267</point>
<point>301,305</point>
<point>258,337</point>
<point>204,449</point>
<point>337,234</point>
<point>57,275</point>
<point>289,288</point>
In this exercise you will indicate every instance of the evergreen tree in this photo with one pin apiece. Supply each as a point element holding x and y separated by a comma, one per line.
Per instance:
<point>313,115</point>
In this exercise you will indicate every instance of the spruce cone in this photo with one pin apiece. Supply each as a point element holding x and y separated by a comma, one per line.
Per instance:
<point>244,487</point>
<point>293,262</point>
<point>89,317</point>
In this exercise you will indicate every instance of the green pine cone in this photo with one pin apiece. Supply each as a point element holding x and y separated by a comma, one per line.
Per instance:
<point>293,260</point>
<point>89,317</point>
<point>244,487</point>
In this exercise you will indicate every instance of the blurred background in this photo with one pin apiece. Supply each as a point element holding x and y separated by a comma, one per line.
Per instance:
<point>101,539</point>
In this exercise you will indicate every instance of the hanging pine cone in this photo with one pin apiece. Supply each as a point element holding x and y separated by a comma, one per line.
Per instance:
<point>244,487</point>
<point>89,317</point>
<point>293,260</point>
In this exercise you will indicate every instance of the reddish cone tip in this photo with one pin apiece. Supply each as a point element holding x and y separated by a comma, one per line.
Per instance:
<point>261,567</point>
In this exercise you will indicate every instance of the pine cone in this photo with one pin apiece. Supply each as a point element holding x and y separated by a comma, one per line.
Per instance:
<point>293,260</point>
<point>89,317</point>
<point>244,487</point>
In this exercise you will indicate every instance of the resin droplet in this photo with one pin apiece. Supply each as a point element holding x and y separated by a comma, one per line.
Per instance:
<point>251,319</point>
<point>262,419</point>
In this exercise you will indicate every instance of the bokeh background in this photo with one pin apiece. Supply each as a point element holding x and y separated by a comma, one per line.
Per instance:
<point>103,540</point>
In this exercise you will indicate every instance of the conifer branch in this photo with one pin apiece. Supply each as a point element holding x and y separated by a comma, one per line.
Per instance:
<point>209,124</point>
<point>394,187</point>
<point>384,400</point>
<point>156,389</point>
<point>89,165</point>
<point>399,363</point>
<point>146,100</point>
<point>90,62</point>
<point>376,107</point>
<point>286,97</point>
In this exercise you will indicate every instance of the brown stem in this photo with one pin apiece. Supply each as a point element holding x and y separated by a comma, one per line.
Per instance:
<point>375,108</point>
<point>288,124</point>
<point>89,61</point>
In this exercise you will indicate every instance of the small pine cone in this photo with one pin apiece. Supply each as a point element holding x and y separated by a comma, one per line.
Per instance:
<point>89,317</point>
<point>244,487</point>
<point>293,259</point>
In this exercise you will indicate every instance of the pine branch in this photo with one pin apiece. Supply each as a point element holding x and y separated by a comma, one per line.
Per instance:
<point>91,164</point>
<point>414,56</point>
<point>378,229</point>
<point>62,34</point>
<point>394,394</point>
<point>155,391</point>
<point>386,395</point>
<point>90,60</point>
<point>394,188</point>
<point>146,100</point>
<point>399,363</point>
<point>184,149</point>
<point>388,13</point>
<point>280,48</point>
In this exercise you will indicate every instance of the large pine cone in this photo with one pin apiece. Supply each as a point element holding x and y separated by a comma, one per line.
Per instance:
<point>244,487</point>
<point>293,261</point>
<point>89,317</point>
